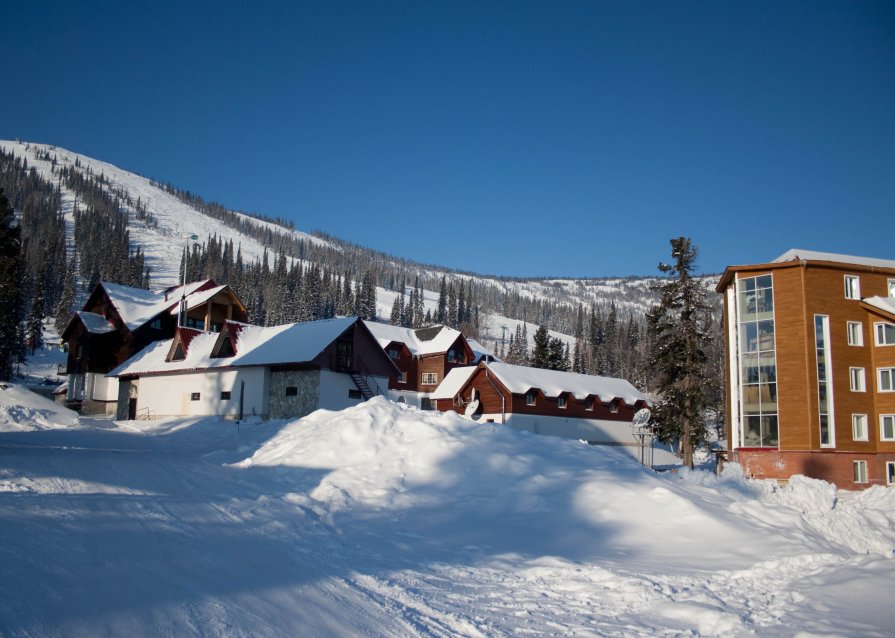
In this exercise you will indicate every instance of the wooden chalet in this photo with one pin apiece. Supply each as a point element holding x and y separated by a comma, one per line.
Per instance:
<point>579,406</point>
<point>283,371</point>
<point>811,368</point>
<point>423,356</point>
<point>118,321</point>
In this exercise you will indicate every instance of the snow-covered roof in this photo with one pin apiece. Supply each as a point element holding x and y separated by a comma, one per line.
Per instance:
<point>94,323</point>
<point>520,379</point>
<point>796,254</point>
<point>453,382</point>
<point>415,339</point>
<point>886,304</point>
<point>256,346</point>
<point>136,306</point>
<point>479,350</point>
<point>195,299</point>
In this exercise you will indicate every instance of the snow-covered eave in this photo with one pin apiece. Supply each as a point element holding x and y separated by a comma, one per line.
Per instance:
<point>884,306</point>
<point>214,368</point>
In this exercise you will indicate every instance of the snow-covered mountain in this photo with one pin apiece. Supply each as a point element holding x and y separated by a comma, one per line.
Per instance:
<point>163,235</point>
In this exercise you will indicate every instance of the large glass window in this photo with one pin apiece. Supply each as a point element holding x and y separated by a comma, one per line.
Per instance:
<point>824,381</point>
<point>757,361</point>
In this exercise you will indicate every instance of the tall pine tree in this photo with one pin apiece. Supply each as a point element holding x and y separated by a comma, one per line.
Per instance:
<point>676,326</point>
<point>10,292</point>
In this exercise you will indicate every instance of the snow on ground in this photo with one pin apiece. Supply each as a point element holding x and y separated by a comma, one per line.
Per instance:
<point>385,521</point>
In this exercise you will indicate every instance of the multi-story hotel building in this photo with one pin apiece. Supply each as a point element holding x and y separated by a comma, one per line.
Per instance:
<point>811,368</point>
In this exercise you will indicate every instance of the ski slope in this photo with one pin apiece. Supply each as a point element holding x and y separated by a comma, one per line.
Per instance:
<point>386,521</point>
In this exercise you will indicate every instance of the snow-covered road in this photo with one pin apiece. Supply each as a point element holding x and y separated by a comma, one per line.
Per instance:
<point>382,521</point>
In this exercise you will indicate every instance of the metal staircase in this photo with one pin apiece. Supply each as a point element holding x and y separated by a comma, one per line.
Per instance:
<point>363,382</point>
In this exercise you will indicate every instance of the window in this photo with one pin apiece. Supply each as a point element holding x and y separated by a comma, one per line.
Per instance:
<point>194,396</point>
<point>430,378</point>
<point>613,405</point>
<point>885,334</point>
<point>890,473</point>
<point>891,284</point>
<point>452,356</point>
<point>887,427</point>
<point>855,333</point>
<point>198,324</point>
<point>859,427</point>
<point>756,362</point>
<point>215,327</point>
<point>393,353</point>
<point>826,416</point>
<point>225,395</point>
<point>529,398</point>
<point>426,404</point>
<point>885,380</point>
<point>852,287</point>
<point>860,471</point>
<point>291,391</point>
<point>857,379</point>
<point>156,324</point>
<point>589,404</point>
<point>355,394</point>
<point>561,402</point>
<point>402,378</point>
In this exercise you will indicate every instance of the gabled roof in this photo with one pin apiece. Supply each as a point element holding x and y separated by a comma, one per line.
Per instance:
<point>552,383</point>
<point>421,341</point>
<point>196,299</point>
<point>453,382</point>
<point>480,352</point>
<point>137,307</point>
<point>256,346</point>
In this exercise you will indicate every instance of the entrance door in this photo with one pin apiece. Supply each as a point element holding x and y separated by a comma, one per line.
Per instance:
<point>132,409</point>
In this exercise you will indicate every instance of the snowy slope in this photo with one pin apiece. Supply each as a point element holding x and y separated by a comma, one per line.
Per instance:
<point>176,221</point>
<point>163,244</point>
<point>386,521</point>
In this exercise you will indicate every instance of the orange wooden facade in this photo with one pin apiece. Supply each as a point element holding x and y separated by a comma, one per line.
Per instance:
<point>802,290</point>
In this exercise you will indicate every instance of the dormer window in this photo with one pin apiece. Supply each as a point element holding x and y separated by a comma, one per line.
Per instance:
<point>156,324</point>
<point>179,354</point>
<point>394,353</point>
<point>561,402</point>
<point>589,404</point>
<point>613,405</point>
<point>530,398</point>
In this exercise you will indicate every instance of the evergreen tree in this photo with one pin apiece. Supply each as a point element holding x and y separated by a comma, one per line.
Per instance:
<point>677,328</point>
<point>540,353</point>
<point>10,292</point>
<point>441,312</point>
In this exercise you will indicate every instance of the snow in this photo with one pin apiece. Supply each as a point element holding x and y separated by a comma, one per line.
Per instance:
<point>387,333</point>
<point>521,379</point>
<point>886,304</point>
<point>382,520</point>
<point>94,323</point>
<point>796,254</point>
<point>255,346</point>
<point>453,382</point>
<point>136,306</point>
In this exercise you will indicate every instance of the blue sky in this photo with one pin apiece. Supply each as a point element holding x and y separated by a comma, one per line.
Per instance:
<point>519,138</point>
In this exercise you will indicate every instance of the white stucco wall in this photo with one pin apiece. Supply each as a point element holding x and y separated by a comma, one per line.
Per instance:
<point>169,395</point>
<point>334,387</point>
<point>101,388</point>
<point>594,430</point>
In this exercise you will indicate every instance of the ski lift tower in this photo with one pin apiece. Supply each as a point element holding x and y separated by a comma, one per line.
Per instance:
<point>644,435</point>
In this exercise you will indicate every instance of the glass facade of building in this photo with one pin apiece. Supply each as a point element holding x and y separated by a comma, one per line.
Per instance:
<point>757,361</point>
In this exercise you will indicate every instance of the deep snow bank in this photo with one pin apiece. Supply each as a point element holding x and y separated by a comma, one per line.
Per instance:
<point>446,475</point>
<point>23,410</point>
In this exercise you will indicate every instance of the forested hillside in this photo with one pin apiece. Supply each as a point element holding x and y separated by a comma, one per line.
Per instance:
<point>83,221</point>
